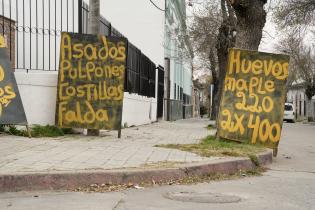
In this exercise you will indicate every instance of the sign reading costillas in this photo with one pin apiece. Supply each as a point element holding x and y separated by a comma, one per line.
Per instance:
<point>253,97</point>
<point>91,81</point>
<point>11,107</point>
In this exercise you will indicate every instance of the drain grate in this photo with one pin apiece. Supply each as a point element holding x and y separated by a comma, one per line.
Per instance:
<point>206,197</point>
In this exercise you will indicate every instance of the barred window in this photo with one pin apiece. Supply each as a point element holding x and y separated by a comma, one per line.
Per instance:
<point>132,82</point>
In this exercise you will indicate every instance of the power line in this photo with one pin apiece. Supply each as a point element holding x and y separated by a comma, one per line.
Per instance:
<point>157,6</point>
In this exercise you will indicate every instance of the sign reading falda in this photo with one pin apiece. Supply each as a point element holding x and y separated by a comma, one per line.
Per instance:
<point>91,81</point>
<point>11,107</point>
<point>253,97</point>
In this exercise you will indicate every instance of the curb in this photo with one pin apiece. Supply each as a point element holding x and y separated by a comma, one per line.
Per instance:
<point>73,180</point>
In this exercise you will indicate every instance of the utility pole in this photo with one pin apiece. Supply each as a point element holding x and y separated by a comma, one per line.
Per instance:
<point>167,84</point>
<point>94,28</point>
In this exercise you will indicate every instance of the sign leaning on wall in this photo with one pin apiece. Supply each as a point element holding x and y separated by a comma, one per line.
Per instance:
<point>11,107</point>
<point>91,81</point>
<point>252,104</point>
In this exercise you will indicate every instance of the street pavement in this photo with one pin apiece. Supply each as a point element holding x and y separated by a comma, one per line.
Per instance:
<point>135,149</point>
<point>288,185</point>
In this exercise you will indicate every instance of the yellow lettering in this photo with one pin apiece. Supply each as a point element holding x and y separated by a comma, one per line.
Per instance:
<point>90,52</point>
<point>246,69</point>
<point>66,50</point>
<point>270,86</point>
<point>64,65</point>
<point>234,61</point>
<point>254,126</point>
<point>103,52</point>
<point>61,91</point>
<point>101,115</point>
<point>275,138</point>
<point>270,102</point>
<point>257,67</point>
<point>61,110</point>
<point>264,129</point>
<point>77,48</point>
<point>9,90</point>
<point>89,116</point>
<point>1,73</point>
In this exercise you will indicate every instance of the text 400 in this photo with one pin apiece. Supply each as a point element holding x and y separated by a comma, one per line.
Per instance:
<point>264,129</point>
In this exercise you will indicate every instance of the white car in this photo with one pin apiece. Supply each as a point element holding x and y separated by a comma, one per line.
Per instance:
<point>289,112</point>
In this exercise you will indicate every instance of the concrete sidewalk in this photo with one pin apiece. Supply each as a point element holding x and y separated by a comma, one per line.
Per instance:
<point>70,162</point>
<point>81,153</point>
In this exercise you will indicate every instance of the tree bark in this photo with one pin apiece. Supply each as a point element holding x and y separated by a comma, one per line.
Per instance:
<point>251,19</point>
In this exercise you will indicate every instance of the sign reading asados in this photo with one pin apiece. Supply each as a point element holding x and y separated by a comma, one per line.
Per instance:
<point>253,98</point>
<point>91,81</point>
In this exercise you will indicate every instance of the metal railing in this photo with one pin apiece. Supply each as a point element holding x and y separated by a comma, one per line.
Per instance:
<point>32,29</point>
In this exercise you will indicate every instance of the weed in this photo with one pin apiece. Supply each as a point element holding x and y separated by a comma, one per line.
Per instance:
<point>67,131</point>
<point>210,127</point>
<point>254,159</point>
<point>46,131</point>
<point>209,147</point>
<point>188,180</point>
<point>16,132</point>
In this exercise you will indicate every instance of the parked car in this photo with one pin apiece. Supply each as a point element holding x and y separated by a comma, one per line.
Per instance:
<point>289,114</point>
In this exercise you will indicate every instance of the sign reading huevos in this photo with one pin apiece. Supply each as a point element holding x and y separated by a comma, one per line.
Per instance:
<point>91,81</point>
<point>253,97</point>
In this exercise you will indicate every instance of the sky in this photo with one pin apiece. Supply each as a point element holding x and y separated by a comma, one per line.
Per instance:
<point>143,24</point>
<point>270,34</point>
<point>140,22</point>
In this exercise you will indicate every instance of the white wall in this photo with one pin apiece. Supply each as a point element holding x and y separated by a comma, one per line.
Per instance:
<point>138,110</point>
<point>38,91</point>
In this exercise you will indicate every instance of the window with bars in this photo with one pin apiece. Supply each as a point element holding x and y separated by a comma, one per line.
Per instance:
<point>140,73</point>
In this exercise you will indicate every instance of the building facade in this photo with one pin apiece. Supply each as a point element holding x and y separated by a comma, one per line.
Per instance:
<point>304,108</point>
<point>179,53</point>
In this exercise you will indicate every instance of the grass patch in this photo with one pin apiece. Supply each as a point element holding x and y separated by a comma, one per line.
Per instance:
<point>210,127</point>
<point>46,131</point>
<point>210,147</point>
<point>37,131</point>
<point>12,130</point>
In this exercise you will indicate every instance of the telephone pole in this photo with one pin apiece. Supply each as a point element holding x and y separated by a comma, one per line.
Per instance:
<point>94,28</point>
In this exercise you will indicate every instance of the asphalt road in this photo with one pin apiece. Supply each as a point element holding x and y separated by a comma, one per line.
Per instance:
<point>289,184</point>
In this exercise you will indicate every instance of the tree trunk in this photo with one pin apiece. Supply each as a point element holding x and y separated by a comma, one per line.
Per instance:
<point>251,19</point>
<point>94,28</point>
<point>222,58</point>
<point>225,40</point>
<point>193,95</point>
<point>215,99</point>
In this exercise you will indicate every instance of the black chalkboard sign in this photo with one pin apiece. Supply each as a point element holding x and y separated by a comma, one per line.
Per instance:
<point>11,107</point>
<point>91,81</point>
<point>253,97</point>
